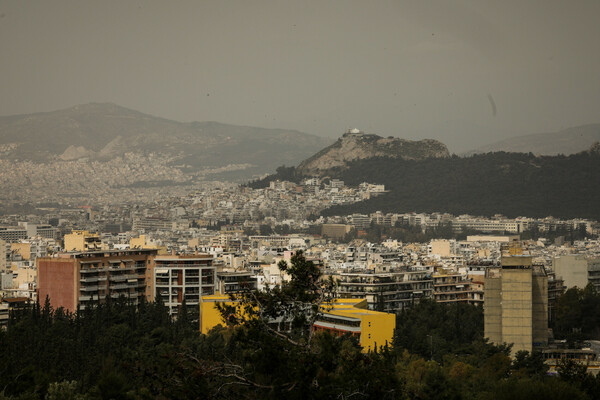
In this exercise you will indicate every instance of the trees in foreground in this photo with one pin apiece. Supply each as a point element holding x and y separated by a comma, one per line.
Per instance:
<point>118,350</point>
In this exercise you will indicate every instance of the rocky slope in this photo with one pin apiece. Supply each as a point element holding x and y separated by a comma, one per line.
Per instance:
<point>356,145</point>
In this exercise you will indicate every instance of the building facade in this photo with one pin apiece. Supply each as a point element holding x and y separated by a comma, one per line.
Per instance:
<point>450,287</point>
<point>373,329</point>
<point>80,279</point>
<point>178,278</point>
<point>516,303</point>
<point>386,291</point>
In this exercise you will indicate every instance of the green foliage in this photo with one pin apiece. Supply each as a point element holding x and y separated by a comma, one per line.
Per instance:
<point>119,350</point>
<point>578,315</point>
<point>97,348</point>
<point>526,389</point>
<point>430,328</point>
<point>289,306</point>
<point>63,391</point>
<point>513,184</point>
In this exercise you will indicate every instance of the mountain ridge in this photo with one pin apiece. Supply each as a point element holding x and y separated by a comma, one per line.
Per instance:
<point>566,141</point>
<point>106,130</point>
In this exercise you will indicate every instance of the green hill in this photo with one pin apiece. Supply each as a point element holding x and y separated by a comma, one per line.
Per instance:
<point>513,184</point>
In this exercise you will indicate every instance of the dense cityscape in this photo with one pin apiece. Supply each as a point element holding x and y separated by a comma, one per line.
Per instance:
<point>220,243</point>
<point>346,200</point>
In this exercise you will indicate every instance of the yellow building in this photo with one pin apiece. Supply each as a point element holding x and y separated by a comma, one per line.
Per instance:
<point>373,329</point>
<point>24,249</point>
<point>2,255</point>
<point>24,276</point>
<point>440,247</point>
<point>82,241</point>
<point>141,243</point>
<point>210,316</point>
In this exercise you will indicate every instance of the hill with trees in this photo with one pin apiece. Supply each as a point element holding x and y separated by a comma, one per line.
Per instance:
<point>513,184</point>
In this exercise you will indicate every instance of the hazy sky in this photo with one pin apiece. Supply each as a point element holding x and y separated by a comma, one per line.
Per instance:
<point>410,69</point>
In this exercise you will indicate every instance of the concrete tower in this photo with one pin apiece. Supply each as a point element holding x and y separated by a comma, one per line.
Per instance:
<point>516,302</point>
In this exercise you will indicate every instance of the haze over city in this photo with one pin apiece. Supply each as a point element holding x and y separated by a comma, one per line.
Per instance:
<point>299,200</point>
<point>466,73</point>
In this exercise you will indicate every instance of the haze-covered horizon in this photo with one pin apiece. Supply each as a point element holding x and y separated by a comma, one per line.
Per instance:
<point>467,73</point>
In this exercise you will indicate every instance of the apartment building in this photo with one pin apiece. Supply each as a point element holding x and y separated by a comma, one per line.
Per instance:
<point>516,303</point>
<point>26,230</point>
<point>452,287</point>
<point>80,279</point>
<point>179,277</point>
<point>387,291</point>
<point>235,281</point>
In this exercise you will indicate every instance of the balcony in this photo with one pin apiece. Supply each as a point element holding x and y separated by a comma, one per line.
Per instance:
<point>121,278</point>
<point>119,286</point>
<point>92,270</point>
<point>123,268</point>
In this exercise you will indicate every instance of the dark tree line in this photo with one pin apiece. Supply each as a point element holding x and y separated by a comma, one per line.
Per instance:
<point>119,350</point>
<point>513,184</point>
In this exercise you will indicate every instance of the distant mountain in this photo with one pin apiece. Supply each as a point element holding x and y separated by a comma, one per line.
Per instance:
<point>567,141</point>
<point>102,131</point>
<point>356,145</point>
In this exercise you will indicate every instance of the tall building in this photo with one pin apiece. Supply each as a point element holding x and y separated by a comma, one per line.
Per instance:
<point>25,230</point>
<point>516,302</point>
<point>180,277</point>
<point>79,279</point>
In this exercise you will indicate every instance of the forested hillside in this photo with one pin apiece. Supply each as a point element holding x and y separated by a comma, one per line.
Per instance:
<point>513,184</point>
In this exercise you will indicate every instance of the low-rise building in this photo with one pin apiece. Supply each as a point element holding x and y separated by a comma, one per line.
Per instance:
<point>373,329</point>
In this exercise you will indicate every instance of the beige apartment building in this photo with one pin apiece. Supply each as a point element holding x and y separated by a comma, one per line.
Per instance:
<point>516,303</point>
